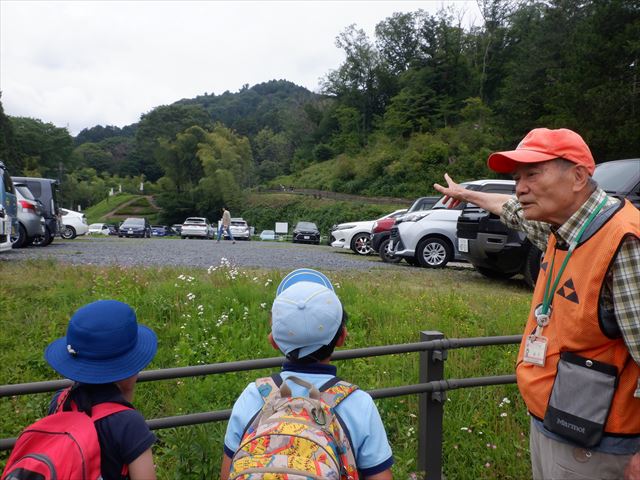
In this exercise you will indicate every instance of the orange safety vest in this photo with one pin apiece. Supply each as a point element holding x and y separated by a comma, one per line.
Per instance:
<point>574,324</point>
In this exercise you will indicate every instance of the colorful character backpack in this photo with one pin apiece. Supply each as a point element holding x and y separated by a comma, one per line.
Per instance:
<point>296,438</point>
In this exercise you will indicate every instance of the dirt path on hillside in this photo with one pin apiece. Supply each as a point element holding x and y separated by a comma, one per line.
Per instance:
<point>149,198</point>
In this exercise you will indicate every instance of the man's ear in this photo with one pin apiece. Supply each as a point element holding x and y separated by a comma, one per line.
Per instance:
<point>273,342</point>
<point>342,338</point>
<point>581,177</point>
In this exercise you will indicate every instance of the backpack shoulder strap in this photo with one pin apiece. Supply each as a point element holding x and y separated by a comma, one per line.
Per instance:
<point>62,397</point>
<point>335,391</point>
<point>102,410</point>
<point>269,387</point>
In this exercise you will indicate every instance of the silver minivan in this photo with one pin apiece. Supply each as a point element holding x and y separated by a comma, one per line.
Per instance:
<point>31,222</point>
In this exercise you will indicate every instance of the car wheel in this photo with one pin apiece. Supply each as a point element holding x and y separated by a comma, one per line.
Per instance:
<point>532,266</point>
<point>68,232</point>
<point>494,274</point>
<point>43,240</point>
<point>386,254</point>
<point>361,244</point>
<point>433,252</point>
<point>20,239</point>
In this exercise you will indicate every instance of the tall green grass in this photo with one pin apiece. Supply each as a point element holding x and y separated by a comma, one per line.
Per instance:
<point>221,314</point>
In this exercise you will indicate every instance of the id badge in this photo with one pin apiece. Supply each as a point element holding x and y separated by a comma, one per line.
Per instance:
<point>535,349</point>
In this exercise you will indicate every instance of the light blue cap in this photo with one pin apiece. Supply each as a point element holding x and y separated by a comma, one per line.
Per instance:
<point>306,313</point>
<point>303,275</point>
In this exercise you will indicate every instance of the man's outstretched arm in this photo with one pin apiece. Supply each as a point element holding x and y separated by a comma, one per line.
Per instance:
<point>455,194</point>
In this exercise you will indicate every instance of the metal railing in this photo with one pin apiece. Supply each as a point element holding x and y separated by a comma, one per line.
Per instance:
<point>432,387</point>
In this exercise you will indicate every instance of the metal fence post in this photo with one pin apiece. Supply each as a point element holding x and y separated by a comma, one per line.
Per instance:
<point>431,410</point>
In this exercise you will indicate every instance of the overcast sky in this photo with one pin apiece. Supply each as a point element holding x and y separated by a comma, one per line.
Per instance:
<point>78,64</point>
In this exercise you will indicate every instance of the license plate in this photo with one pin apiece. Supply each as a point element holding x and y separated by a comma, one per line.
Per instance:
<point>463,245</point>
<point>306,237</point>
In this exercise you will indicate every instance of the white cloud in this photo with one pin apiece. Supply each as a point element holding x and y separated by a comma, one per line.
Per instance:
<point>83,63</point>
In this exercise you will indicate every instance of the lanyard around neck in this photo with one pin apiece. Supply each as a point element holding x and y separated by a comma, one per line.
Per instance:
<point>547,296</point>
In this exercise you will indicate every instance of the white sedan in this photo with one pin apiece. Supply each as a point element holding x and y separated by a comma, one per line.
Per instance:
<point>357,235</point>
<point>73,224</point>
<point>99,228</point>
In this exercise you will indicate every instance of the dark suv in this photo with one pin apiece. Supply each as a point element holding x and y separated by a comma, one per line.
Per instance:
<point>134,227</point>
<point>499,252</point>
<point>495,250</point>
<point>46,191</point>
<point>620,178</point>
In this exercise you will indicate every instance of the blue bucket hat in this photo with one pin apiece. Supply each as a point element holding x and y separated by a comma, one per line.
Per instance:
<point>306,313</point>
<point>104,344</point>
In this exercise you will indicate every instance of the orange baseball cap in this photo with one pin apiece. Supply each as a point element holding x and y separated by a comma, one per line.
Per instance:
<point>541,145</point>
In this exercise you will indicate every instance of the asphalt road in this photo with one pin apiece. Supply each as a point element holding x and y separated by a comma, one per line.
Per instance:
<point>197,253</point>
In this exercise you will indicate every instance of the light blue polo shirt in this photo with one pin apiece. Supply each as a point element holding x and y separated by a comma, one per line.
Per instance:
<point>358,413</point>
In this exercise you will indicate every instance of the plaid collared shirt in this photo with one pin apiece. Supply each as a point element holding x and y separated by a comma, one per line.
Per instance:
<point>621,292</point>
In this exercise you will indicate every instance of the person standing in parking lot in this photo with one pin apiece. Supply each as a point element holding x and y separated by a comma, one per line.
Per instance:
<point>578,368</point>
<point>225,225</point>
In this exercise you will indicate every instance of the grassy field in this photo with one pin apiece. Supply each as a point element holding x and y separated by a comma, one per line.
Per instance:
<point>221,314</point>
<point>98,212</point>
<point>139,207</point>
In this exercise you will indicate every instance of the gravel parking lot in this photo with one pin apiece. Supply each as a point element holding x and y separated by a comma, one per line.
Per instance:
<point>197,253</point>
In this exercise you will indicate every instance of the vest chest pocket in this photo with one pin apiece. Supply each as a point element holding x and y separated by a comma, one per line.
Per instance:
<point>581,399</point>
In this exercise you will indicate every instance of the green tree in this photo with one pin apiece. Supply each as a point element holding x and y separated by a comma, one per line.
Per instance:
<point>272,153</point>
<point>43,149</point>
<point>397,41</point>
<point>93,156</point>
<point>179,158</point>
<point>222,149</point>
<point>8,150</point>
<point>356,83</point>
<point>164,122</point>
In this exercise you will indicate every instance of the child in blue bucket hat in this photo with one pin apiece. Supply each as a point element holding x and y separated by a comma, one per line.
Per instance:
<point>103,351</point>
<point>307,323</point>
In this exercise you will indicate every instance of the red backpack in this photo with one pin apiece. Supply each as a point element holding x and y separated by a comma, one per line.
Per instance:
<point>61,446</point>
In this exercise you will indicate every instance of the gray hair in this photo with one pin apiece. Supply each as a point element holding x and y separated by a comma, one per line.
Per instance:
<point>565,164</point>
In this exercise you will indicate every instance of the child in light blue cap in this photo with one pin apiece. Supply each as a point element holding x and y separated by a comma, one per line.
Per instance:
<point>307,323</point>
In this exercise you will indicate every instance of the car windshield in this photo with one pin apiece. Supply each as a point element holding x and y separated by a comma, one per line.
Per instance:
<point>306,225</point>
<point>422,204</point>
<point>133,222</point>
<point>25,192</point>
<point>239,224</point>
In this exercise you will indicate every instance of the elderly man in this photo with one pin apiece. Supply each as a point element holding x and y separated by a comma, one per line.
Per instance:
<point>578,368</point>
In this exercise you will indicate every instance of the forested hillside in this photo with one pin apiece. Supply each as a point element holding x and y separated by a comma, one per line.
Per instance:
<point>424,96</point>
